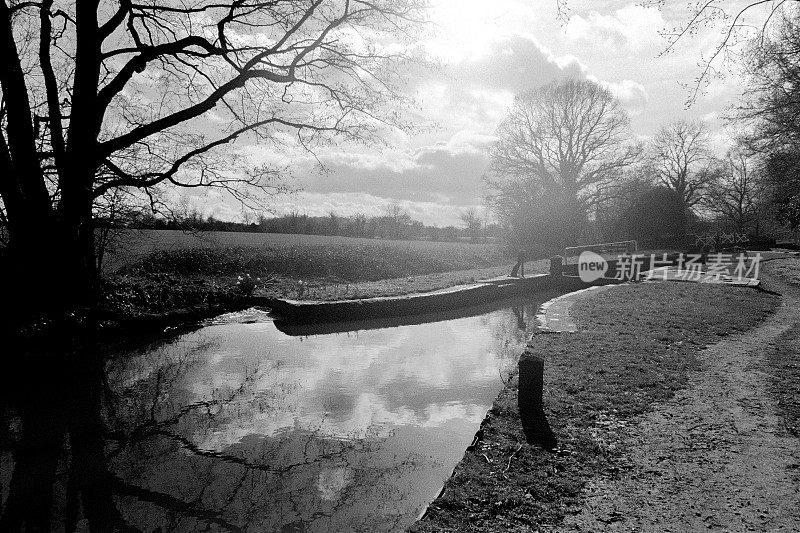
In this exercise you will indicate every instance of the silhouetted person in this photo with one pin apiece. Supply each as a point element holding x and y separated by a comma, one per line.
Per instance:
<point>519,268</point>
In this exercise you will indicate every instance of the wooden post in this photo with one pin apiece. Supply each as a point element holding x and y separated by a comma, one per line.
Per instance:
<point>557,266</point>
<point>531,408</point>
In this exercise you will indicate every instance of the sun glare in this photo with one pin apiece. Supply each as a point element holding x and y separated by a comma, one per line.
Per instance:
<point>464,28</point>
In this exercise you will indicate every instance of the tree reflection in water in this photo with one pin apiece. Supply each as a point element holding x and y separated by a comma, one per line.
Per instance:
<point>141,442</point>
<point>53,426</point>
<point>259,483</point>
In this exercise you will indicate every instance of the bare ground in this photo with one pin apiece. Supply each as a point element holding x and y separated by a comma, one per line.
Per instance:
<point>718,455</point>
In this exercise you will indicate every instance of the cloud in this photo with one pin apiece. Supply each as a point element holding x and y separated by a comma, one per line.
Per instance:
<point>476,90</point>
<point>434,182</point>
<point>632,95</point>
<point>469,99</point>
<point>516,63</point>
<point>442,175</point>
<point>632,27</point>
<point>446,171</point>
<point>208,202</point>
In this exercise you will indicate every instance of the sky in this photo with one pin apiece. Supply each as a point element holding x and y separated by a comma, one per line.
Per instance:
<point>487,55</point>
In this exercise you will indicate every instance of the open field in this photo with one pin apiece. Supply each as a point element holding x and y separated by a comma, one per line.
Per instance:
<point>296,256</point>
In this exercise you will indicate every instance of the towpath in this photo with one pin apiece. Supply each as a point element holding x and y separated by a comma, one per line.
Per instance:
<point>717,456</point>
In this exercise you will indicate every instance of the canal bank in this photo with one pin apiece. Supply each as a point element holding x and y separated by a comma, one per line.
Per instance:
<point>481,292</point>
<point>153,303</point>
<point>634,347</point>
<point>122,313</point>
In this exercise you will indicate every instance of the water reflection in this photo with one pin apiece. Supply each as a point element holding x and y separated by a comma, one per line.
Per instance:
<point>238,426</point>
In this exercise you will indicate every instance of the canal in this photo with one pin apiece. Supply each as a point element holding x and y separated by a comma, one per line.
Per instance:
<point>238,425</point>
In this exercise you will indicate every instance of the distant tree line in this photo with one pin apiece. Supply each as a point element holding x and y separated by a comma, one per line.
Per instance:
<point>393,223</point>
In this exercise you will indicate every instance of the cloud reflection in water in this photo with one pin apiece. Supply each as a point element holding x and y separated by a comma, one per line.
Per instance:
<point>351,430</point>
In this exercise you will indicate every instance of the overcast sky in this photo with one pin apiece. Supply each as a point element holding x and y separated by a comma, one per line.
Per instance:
<point>489,54</point>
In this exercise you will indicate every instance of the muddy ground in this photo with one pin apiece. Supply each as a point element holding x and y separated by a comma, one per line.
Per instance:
<point>676,409</point>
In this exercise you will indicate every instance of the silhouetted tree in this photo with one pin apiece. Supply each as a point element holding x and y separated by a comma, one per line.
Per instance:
<point>736,192</point>
<point>736,24</point>
<point>771,103</point>
<point>783,179</point>
<point>391,225</point>
<point>121,95</point>
<point>473,223</point>
<point>681,160</point>
<point>560,145</point>
<point>656,215</point>
<point>98,96</point>
<point>610,210</point>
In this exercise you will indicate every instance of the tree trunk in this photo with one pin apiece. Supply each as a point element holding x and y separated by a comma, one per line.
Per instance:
<point>573,218</point>
<point>51,269</point>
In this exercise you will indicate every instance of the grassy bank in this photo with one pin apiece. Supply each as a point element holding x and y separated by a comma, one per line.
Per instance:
<point>156,272</point>
<point>157,292</point>
<point>784,269</point>
<point>783,356</point>
<point>635,346</point>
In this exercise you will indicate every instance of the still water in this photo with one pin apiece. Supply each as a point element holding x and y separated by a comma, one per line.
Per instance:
<point>239,426</point>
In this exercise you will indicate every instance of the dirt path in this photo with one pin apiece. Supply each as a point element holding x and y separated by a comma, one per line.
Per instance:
<point>715,457</point>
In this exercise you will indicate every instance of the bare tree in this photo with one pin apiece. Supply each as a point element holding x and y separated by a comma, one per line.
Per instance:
<point>770,107</point>
<point>396,218</point>
<point>738,24</point>
<point>112,211</point>
<point>395,211</point>
<point>566,141</point>
<point>737,190</point>
<point>680,159</point>
<point>609,212</point>
<point>473,223</point>
<point>359,224</point>
<point>98,96</point>
<point>771,103</point>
